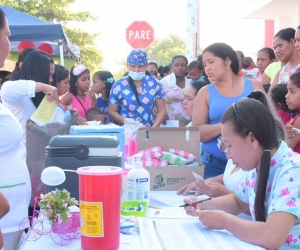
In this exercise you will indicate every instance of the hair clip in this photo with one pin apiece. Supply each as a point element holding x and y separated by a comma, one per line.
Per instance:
<point>79,69</point>
<point>110,80</point>
<point>235,110</point>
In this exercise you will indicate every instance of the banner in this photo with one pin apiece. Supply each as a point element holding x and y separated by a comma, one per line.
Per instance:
<point>191,21</point>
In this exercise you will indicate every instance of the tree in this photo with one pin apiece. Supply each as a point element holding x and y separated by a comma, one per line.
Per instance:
<point>163,50</point>
<point>57,11</point>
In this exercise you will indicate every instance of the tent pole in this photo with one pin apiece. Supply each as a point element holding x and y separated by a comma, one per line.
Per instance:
<point>61,52</point>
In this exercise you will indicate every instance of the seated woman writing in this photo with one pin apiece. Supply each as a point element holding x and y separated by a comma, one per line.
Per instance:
<point>270,189</point>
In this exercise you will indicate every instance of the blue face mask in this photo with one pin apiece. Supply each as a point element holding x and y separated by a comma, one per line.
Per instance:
<point>136,76</point>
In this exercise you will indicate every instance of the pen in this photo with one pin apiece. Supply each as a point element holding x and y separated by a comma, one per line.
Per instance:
<point>154,207</point>
<point>196,202</point>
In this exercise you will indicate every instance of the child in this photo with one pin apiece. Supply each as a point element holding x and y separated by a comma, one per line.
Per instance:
<point>95,114</point>
<point>79,96</point>
<point>61,80</point>
<point>248,67</point>
<point>102,83</point>
<point>278,94</point>
<point>293,102</point>
<point>195,71</point>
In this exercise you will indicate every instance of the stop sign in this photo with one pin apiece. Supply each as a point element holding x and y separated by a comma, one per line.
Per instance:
<point>139,35</point>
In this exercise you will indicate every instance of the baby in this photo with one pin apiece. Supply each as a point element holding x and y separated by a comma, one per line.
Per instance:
<point>248,67</point>
<point>95,114</point>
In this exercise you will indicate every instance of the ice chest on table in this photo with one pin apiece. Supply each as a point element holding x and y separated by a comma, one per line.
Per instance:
<point>75,151</point>
<point>108,129</point>
<point>171,178</point>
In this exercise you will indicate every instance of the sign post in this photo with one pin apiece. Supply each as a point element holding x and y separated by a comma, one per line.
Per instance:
<point>139,35</point>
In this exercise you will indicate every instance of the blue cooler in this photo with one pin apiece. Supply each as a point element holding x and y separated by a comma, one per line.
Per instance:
<point>109,129</point>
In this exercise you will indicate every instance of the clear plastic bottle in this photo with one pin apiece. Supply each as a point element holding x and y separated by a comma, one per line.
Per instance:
<point>138,182</point>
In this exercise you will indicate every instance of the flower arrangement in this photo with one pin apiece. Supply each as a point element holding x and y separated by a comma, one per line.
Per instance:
<point>56,203</point>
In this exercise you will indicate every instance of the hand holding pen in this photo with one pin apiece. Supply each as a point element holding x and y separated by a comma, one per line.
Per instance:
<point>194,204</point>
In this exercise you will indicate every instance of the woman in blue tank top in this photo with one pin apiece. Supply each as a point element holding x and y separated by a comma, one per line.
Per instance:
<point>221,66</point>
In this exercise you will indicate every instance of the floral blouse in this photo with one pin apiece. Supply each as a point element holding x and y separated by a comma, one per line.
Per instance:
<point>283,190</point>
<point>122,94</point>
<point>284,76</point>
<point>174,97</point>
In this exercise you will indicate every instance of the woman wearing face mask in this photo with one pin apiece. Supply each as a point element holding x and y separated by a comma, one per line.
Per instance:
<point>133,97</point>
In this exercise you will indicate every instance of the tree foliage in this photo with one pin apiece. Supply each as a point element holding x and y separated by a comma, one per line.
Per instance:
<point>163,50</point>
<point>57,11</point>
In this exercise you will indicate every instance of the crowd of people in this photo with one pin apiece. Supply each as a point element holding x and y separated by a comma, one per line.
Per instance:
<point>247,114</point>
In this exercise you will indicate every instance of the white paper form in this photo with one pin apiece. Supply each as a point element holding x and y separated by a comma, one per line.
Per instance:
<point>126,238</point>
<point>170,124</point>
<point>170,198</point>
<point>160,234</point>
<point>169,213</point>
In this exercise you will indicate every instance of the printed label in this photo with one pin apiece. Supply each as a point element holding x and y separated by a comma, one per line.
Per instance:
<point>137,189</point>
<point>91,214</point>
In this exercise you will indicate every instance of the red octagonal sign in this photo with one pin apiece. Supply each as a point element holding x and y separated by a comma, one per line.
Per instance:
<point>139,35</point>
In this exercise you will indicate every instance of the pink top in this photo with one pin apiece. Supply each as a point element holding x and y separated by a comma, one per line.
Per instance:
<point>81,105</point>
<point>297,147</point>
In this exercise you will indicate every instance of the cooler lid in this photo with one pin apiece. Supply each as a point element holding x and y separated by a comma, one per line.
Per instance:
<point>84,129</point>
<point>94,141</point>
<point>83,146</point>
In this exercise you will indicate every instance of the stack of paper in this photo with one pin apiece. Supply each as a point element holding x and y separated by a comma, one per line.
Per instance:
<point>159,234</point>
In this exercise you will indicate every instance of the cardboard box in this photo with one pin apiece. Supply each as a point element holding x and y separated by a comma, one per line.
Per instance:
<point>171,178</point>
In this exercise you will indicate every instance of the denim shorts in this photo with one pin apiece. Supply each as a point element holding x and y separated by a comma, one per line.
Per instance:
<point>214,165</point>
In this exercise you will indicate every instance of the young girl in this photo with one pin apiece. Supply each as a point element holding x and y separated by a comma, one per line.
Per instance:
<point>79,96</point>
<point>61,80</point>
<point>293,102</point>
<point>278,94</point>
<point>102,82</point>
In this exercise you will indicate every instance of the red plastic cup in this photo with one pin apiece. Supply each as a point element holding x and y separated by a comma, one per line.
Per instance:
<point>100,198</point>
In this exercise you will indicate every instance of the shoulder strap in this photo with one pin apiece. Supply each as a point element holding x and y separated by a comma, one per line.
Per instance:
<point>80,104</point>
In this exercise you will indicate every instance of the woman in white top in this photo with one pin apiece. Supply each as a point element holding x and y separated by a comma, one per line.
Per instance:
<point>22,97</point>
<point>221,184</point>
<point>190,95</point>
<point>174,86</point>
<point>228,182</point>
<point>14,176</point>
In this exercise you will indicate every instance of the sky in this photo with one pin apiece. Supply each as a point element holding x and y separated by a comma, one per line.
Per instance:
<point>220,21</point>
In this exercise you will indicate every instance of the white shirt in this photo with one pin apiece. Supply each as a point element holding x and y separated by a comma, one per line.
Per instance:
<point>16,96</point>
<point>14,175</point>
<point>232,180</point>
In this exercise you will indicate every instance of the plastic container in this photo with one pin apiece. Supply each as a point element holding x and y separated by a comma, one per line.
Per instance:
<point>100,198</point>
<point>126,204</point>
<point>138,182</point>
